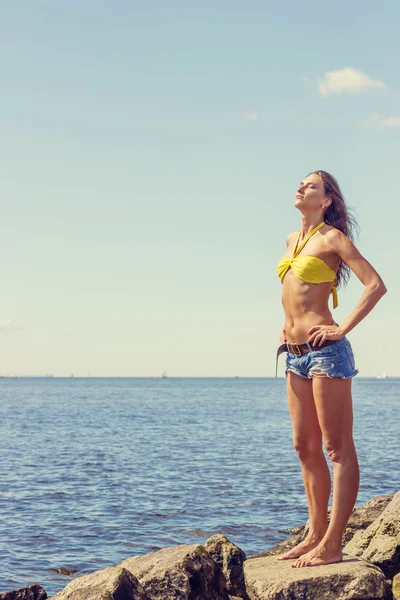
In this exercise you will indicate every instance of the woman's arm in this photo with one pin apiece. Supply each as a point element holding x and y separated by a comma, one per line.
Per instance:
<point>282,336</point>
<point>374,286</point>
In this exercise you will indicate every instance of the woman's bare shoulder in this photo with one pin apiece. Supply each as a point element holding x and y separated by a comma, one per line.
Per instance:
<point>332,231</point>
<point>291,236</point>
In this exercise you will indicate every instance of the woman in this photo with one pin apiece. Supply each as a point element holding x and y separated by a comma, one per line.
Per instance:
<point>320,361</point>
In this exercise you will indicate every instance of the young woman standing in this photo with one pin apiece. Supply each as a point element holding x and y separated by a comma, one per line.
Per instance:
<point>320,361</point>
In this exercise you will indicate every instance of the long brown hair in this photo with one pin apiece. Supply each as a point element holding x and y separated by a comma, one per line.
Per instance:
<point>337,214</point>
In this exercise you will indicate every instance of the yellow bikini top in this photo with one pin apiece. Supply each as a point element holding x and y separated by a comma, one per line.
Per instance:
<point>309,269</point>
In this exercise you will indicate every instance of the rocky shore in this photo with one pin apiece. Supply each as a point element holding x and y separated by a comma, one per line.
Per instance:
<point>219,570</point>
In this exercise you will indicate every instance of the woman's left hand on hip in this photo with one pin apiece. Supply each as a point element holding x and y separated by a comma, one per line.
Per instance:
<point>319,333</point>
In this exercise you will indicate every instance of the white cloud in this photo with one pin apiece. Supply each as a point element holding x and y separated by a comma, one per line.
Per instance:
<point>376,122</point>
<point>391,122</point>
<point>347,80</point>
<point>251,116</point>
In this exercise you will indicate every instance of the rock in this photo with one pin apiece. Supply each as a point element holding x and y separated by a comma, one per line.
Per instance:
<point>360,518</point>
<point>230,558</point>
<point>33,592</point>
<point>185,571</point>
<point>351,579</point>
<point>396,587</point>
<point>113,583</point>
<point>380,541</point>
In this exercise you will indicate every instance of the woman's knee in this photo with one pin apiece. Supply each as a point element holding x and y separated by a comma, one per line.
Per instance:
<point>340,450</point>
<point>308,450</point>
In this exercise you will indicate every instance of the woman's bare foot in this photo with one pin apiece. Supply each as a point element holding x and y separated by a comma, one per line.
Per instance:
<point>321,555</point>
<point>301,548</point>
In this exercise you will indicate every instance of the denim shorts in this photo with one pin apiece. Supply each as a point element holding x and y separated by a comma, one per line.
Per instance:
<point>335,360</point>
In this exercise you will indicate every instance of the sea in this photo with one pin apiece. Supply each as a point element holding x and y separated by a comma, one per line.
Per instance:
<point>96,470</point>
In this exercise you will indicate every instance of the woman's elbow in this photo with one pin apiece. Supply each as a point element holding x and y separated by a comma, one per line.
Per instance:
<point>379,287</point>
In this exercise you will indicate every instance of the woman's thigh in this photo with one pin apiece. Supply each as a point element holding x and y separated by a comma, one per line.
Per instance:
<point>334,408</point>
<point>307,435</point>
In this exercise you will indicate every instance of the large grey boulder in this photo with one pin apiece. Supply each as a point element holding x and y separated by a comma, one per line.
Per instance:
<point>32,592</point>
<point>183,572</point>
<point>351,579</point>
<point>230,558</point>
<point>362,516</point>
<point>380,541</point>
<point>112,583</point>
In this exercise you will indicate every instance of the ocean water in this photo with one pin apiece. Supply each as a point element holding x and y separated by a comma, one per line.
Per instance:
<point>94,470</point>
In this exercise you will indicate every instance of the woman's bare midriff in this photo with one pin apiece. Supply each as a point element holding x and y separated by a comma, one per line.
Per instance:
<point>305,305</point>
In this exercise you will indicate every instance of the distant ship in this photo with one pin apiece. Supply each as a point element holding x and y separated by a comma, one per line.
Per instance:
<point>164,374</point>
<point>383,376</point>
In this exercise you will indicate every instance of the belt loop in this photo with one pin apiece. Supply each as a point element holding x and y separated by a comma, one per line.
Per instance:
<point>309,346</point>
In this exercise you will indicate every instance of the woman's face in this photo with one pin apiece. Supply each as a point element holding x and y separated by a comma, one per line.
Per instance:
<point>310,193</point>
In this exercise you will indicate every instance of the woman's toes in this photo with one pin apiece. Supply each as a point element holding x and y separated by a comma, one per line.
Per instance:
<point>299,562</point>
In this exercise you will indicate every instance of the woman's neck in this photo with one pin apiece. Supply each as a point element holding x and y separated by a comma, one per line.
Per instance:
<point>307,225</point>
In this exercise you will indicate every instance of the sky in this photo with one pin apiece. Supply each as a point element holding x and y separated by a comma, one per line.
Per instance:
<point>150,155</point>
